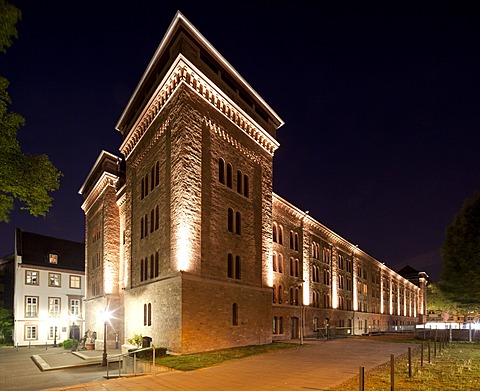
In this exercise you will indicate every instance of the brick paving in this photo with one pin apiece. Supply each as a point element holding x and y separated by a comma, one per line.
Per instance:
<point>318,365</point>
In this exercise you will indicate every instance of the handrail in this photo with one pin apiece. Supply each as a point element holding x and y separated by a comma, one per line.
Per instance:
<point>120,360</point>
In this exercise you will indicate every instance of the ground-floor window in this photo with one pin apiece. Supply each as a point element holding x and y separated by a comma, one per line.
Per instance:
<point>31,332</point>
<point>277,325</point>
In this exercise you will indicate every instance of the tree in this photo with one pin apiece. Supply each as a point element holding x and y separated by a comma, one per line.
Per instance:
<point>6,325</point>
<point>23,177</point>
<point>439,303</point>
<point>460,277</point>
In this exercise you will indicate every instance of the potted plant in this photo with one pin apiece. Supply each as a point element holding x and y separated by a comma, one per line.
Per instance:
<point>90,337</point>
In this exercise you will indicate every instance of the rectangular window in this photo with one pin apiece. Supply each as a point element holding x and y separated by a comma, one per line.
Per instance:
<point>75,282</point>
<point>31,277</point>
<point>54,279</point>
<point>30,332</point>
<point>54,307</point>
<point>53,258</point>
<point>75,307</point>
<point>51,332</point>
<point>31,306</point>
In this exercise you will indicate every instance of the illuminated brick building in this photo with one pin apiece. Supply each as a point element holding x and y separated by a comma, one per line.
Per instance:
<point>179,236</point>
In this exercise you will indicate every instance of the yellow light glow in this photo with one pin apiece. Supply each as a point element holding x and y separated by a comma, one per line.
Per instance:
<point>108,276</point>
<point>269,269</point>
<point>184,245</point>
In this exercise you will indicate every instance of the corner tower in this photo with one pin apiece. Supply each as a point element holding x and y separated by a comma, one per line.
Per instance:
<point>198,143</point>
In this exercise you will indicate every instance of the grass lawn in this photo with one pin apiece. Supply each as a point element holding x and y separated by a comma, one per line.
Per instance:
<point>189,362</point>
<point>457,367</point>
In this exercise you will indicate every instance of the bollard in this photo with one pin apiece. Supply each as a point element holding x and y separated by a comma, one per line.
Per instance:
<point>429,350</point>
<point>392,372</point>
<point>17,346</point>
<point>435,347</point>
<point>362,379</point>
<point>421,356</point>
<point>29,344</point>
<point>409,361</point>
<point>153,363</point>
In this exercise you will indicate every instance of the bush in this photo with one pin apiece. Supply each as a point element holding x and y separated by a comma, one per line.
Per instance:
<point>67,344</point>
<point>136,340</point>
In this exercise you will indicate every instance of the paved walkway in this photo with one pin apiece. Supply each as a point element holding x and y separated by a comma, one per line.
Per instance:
<point>318,365</point>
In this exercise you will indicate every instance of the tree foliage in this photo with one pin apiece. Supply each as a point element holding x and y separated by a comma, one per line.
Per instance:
<point>6,325</point>
<point>460,278</point>
<point>23,177</point>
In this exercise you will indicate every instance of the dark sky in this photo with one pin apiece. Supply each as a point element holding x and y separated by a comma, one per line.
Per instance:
<point>380,103</point>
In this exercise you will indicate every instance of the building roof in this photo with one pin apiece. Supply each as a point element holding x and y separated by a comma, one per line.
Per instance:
<point>35,249</point>
<point>162,59</point>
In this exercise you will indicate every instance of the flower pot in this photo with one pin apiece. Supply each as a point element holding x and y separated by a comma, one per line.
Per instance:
<point>90,346</point>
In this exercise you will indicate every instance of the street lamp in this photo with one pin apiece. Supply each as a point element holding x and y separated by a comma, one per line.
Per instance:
<point>55,336</point>
<point>104,316</point>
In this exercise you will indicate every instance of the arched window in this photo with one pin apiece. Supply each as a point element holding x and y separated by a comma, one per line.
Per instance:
<point>145,270</point>
<point>145,229</point>
<point>274,298</point>
<point>152,179</point>
<point>280,263</point>
<point>146,185</point>
<point>275,327</point>
<point>292,267</point>
<point>280,234</point>
<point>152,266</point>
<point>275,234</point>
<point>296,241</point>
<point>141,269</point>
<point>145,310</point>
<point>157,218</point>
<point>230,219</point>
<point>152,221</point>
<point>238,223</point>
<point>297,267</point>
<point>274,261</point>
<point>221,170</point>
<point>156,264</point>
<point>229,176</point>
<point>280,294</point>
<point>280,325</point>
<point>230,266</point>
<point>142,189</point>
<point>291,240</point>
<point>237,267</point>
<point>245,186</point>
<point>296,296</point>
<point>157,174</point>
<point>149,318</point>
<point>141,228</point>
<point>239,182</point>
<point>235,314</point>
<point>292,297</point>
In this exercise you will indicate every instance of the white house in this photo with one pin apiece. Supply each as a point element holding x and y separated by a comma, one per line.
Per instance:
<point>49,289</point>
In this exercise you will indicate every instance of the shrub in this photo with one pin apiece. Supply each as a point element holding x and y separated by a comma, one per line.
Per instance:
<point>136,340</point>
<point>67,344</point>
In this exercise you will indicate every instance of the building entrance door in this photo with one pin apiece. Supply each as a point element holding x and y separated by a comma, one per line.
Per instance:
<point>295,329</point>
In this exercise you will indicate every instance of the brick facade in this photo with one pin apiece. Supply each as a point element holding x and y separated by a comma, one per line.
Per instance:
<point>187,214</point>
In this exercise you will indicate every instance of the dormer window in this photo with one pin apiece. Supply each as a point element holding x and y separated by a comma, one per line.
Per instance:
<point>53,258</point>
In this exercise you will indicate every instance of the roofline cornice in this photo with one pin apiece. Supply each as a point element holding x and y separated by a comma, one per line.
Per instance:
<point>181,19</point>
<point>184,72</point>
<point>107,179</point>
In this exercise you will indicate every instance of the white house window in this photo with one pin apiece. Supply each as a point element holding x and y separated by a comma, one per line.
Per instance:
<point>54,279</point>
<point>75,282</point>
<point>31,277</point>
<point>30,332</point>
<point>31,306</point>
<point>51,332</point>
<point>54,307</point>
<point>75,307</point>
<point>53,258</point>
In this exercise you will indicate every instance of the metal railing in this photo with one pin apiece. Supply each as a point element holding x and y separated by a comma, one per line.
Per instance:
<point>129,363</point>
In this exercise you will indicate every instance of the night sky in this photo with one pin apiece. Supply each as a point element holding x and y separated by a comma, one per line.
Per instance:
<point>381,106</point>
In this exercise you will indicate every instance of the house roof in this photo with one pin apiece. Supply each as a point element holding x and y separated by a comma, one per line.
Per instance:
<point>35,249</point>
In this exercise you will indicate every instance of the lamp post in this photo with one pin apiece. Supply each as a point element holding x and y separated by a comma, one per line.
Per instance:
<point>55,336</point>
<point>105,317</point>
